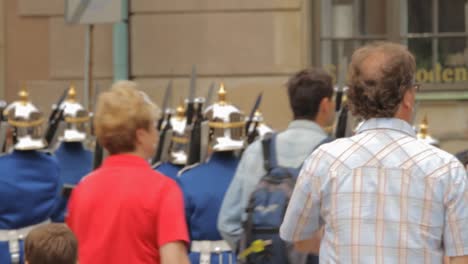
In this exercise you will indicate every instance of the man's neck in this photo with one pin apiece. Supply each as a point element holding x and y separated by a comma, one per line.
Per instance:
<point>318,121</point>
<point>403,116</point>
<point>304,119</point>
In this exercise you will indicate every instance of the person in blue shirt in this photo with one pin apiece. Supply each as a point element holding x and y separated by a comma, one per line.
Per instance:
<point>30,183</point>
<point>205,184</point>
<point>310,94</point>
<point>74,159</point>
<point>178,148</point>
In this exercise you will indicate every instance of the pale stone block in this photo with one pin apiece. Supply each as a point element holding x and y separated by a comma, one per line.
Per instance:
<point>67,50</point>
<point>211,5</point>
<point>246,43</point>
<point>455,146</point>
<point>437,113</point>
<point>447,123</point>
<point>26,48</point>
<point>40,8</point>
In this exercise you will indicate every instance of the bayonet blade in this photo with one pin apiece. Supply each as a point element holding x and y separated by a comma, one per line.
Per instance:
<point>191,97</point>
<point>55,118</point>
<point>252,112</point>
<point>193,84</point>
<point>97,91</point>
<point>256,105</point>
<point>59,103</point>
<point>167,96</point>
<point>209,96</point>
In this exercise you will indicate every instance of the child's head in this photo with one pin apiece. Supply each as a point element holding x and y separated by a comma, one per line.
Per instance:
<point>51,243</point>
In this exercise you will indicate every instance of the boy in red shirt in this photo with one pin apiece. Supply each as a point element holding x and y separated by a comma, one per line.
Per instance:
<point>125,212</point>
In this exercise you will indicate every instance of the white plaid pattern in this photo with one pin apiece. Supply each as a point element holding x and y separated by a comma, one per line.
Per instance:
<point>383,197</point>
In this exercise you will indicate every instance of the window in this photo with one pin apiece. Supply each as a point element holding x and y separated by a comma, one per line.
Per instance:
<point>346,25</point>
<point>434,30</point>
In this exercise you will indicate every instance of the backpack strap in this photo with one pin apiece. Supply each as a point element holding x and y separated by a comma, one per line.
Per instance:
<point>328,139</point>
<point>266,149</point>
<point>269,151</point>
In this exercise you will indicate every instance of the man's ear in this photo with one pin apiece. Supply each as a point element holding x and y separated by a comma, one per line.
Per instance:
<point>408,99</point>
<point>325,105</point>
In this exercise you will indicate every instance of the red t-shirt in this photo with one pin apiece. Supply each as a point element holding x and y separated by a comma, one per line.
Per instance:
<point>125,211</point>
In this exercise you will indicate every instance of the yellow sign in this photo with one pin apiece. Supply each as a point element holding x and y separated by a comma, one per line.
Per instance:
<point>436,75</point>
<point>445,75</point>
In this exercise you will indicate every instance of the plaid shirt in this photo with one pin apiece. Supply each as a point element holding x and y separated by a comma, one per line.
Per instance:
<point>382,197</point>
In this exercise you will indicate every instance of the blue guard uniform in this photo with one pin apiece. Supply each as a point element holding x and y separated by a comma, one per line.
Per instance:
<point>29,191</point>
<point>74,160</point>
<point>29,183</point>
<point>169,169</point>
<point>204,187</point>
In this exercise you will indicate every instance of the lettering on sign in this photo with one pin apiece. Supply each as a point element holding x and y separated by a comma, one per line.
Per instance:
<point>438,74</point>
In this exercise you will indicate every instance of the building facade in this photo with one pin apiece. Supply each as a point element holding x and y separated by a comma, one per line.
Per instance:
<point>250,45</point>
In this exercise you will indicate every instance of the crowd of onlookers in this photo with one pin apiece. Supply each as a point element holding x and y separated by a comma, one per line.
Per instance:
<point>379,196</point>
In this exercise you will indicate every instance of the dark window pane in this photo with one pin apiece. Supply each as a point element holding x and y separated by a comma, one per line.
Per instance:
<point>420,16</point>
<point>452,52</point>
<point>422,50</point>
<point>452,16</point>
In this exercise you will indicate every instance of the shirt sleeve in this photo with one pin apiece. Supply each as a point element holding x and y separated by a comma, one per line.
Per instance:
<point>230,214</point>
<point>302,217</point>
<point>171,225</point>
<point>456,213</point>
<point>248,173</point>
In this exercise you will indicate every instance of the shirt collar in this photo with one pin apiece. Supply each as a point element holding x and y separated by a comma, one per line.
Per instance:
<point>387,123</point>
<point>306,124</point>
<point>125,160</point>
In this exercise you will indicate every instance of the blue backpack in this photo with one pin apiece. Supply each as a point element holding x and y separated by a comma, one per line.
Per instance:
<point>260,243</point>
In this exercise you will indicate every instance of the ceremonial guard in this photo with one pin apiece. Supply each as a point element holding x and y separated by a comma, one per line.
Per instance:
<point>178,148</point>
<point>30,182</point>
<point>204,185</point>
<point>74,159</point>
<point>423,133</point>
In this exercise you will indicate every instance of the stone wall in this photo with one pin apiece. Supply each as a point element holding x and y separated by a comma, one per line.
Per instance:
<point>250,45</point>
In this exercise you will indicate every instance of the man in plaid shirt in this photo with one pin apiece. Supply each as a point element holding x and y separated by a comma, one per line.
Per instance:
<point>381,196</point>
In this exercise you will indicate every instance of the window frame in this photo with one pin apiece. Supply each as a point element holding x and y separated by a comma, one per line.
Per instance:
<point>396,31</point>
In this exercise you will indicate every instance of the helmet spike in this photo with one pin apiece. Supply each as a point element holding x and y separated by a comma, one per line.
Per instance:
<point>222,93</point>
<point>180,111</point>
<point>23,95</point>
<point>72,93</point>
<point>423,128</point>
